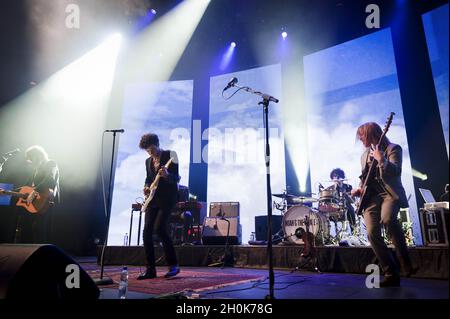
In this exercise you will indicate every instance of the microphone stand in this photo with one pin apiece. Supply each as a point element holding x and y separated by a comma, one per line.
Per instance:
<point>265,103</point>
<point>5,157</point>
<point>107,281</point>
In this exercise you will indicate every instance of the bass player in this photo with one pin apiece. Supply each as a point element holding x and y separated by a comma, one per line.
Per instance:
<point>385,196</point>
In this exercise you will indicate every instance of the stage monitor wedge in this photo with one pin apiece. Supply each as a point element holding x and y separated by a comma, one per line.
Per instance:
<point>42,272</point>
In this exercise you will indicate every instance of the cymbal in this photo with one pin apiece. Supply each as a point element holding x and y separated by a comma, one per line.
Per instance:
<point>303,199</point>
<point>283,195</point>
<point>337,180</point>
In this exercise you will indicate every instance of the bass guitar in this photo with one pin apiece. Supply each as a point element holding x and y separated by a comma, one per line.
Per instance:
<point>154,187</point>
<point>39,203</point>
<point>370,176</point>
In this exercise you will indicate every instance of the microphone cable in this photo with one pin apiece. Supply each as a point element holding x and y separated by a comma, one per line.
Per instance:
<point>227,98</point>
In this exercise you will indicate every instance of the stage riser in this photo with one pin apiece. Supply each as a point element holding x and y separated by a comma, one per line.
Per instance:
<point>432,262</point>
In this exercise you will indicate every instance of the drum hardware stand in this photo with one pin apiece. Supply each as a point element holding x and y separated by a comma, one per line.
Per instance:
<point>265,103</point>
<point>311,257</point>
<point>357,232</point>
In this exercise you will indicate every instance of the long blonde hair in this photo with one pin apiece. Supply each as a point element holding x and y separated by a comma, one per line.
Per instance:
<point>370,133</point>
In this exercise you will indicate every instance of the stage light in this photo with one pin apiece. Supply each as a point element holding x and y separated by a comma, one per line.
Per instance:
<point>153,11</point>
<point>419,175</point>
<point>227,56</point>
<point>170,34</point>
<point>70,108</point>
<point>284,34</point>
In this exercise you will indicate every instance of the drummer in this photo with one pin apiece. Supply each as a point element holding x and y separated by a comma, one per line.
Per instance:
<point>337,175</point>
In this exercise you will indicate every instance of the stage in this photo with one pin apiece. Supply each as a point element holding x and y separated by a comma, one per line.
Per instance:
<point>430,262</point>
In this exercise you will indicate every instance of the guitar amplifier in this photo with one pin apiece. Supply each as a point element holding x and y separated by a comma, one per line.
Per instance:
<point>435,224</point>
<point>225,209</point>
<point>261,226</point>
<point>215,231</point>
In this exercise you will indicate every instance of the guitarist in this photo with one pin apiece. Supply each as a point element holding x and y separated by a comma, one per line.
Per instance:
<point>158,213</point>
<point>35,228</point>
<point>385,197</point>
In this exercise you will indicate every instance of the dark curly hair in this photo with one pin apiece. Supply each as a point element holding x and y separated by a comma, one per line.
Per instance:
<point>147,140</point>
<point>338,172</point>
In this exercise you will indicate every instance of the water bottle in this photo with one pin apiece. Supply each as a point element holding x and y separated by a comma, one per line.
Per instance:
<point>125,239</point>
<point>123,284</point>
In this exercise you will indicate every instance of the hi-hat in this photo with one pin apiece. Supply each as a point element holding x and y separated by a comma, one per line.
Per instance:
<point>283,195</point>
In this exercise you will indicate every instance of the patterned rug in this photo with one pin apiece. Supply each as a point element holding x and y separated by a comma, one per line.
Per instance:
<point>186,280</point>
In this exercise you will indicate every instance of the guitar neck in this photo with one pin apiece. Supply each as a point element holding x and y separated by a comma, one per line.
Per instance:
<point>17,194</point>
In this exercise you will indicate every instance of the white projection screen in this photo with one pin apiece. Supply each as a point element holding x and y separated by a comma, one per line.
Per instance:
<point>161,108</point>
<point>236,166</point>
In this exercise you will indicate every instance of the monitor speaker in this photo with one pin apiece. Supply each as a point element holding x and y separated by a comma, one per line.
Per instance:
<point>42,272</point>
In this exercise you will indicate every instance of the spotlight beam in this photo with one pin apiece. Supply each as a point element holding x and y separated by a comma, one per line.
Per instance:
<point>156,52</point>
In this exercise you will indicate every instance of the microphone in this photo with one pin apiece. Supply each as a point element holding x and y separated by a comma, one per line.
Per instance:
<point>116,131</point>
<point>232,82</point>
<point>10,153</point>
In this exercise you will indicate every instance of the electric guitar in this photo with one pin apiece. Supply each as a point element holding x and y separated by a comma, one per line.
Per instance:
<point>370,176</point>
<point>40,202</point>
<point>154,187</point>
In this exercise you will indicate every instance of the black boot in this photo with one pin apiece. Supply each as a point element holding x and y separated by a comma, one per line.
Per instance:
<point>150,273</point>
<point>390,281</point>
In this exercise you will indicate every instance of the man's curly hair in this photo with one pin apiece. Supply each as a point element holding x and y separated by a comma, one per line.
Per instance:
<point>338,172</point>
<point>147,140</point>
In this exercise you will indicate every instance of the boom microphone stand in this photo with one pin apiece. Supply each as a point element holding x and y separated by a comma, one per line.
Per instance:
<point>265,103</point>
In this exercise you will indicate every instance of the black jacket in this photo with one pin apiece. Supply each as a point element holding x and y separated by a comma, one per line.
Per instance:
<point>46,177</point>
<point>389,173</point>
<point>167,191</point>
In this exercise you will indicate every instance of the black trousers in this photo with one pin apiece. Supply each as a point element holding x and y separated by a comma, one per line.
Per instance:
<point>33,228</point>
<point>157,219</point>
<point>382,210</point>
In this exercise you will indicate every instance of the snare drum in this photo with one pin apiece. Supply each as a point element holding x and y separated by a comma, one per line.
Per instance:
<point>329,202</point>
<point>294,218</point>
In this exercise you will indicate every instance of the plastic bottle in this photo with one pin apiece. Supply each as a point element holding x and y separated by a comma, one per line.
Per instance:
<point>123,284</point>
<point>125,239</point>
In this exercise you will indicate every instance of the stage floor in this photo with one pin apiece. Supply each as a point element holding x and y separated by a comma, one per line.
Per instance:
<point>430,262</point>
<point>288,285</point>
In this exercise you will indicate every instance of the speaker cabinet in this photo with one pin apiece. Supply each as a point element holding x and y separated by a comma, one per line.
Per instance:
<point>41,272</point>
<point>215,231</point>
<point>261,226</point>
<point>225,209</point>
<point>435,226</point>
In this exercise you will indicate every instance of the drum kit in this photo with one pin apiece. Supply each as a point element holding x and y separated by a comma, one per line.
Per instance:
<point>328,209</point>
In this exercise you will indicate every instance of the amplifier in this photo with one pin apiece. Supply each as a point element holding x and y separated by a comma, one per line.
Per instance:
<point>435,224</point>
<point>226,209</point>
<point>215,231</point>
<point>261,226</point>
<point>436,205</point>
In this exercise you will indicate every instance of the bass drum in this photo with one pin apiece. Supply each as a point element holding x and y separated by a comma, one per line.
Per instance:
<point>294,218</point>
